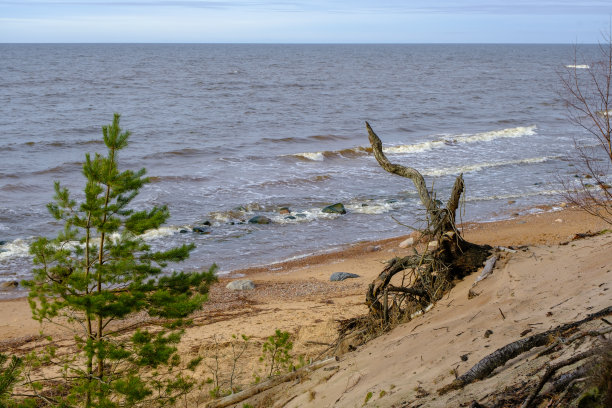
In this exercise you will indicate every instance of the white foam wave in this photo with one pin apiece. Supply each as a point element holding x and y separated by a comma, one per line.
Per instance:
<point>414,148</point>
<point>517,195</point>
<point>150,235</point>
<point>15,249</point>
<point>579,66</point>
<point>315,156</point>
<point>497,134</point>
<point>375,207</point>
<point>515,132</point>
<point>480,166</point>
<point>20,248</point>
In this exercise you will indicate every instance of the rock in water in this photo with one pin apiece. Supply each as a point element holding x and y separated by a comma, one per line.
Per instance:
<point>337,208</point>
<point>260,219</point>
<point>9,285</point>
<point>243,284</point>
<point>284,210</point>
<point>340,276</point>
<point>202,230</point>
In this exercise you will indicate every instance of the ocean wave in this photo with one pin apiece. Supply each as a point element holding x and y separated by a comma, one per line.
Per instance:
<point>444,141</point>
<point>318,138</point>
<point>188,151</point>
<point>578,66</point>
<point>516,195</point>
<point>18,248</point>
<point>480,166</point>
<point>290,182</point>
<point>20,187</point>
<point>160,179</point>
<point>64,167</point>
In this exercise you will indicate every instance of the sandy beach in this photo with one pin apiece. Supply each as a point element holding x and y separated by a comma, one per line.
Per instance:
<point>551,273</point>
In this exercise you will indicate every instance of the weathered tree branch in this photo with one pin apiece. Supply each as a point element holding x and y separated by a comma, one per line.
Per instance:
<point>500,356</point>
<point>442,220</point>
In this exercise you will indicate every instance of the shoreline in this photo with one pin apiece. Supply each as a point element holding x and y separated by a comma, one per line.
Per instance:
<point>390,244</point>
<point>298,297</point>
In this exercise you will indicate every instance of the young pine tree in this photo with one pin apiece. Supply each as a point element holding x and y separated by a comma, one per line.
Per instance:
<point>97,272</point>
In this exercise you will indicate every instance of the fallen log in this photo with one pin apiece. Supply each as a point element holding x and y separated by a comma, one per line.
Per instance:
<point>266,385</point>
<point>500,356</point>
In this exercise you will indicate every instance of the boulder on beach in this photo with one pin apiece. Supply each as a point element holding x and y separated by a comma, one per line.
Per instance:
<point>260,219</point>
<point>406,243</point>
<point>340,276</point>
<point>242,284</point>
<point>337,208</point>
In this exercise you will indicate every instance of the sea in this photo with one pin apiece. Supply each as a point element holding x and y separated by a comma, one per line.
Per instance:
<point>227,132</point>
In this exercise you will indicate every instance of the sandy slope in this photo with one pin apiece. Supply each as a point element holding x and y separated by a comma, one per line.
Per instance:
<point>568,281</point>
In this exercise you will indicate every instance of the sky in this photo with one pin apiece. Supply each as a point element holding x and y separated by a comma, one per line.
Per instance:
<point>303,21</point>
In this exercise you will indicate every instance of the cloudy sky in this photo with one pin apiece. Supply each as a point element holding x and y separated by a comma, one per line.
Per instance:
<point>303,21</point>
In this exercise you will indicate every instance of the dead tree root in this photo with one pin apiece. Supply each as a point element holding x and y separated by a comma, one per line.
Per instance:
<point>500,356</point>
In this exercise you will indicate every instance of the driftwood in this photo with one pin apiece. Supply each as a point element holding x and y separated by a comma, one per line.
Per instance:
<point>433,271</point>
<point>266,385</point>
<point>488,268</point>
<point>500,356</point>
<point>442,219</point>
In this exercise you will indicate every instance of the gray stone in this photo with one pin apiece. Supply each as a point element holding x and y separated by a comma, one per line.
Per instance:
<point>340,276</point>
<point>242,284</point>
<point>260,219</point>
<point>406,243</point>
<point>202,230</point>
<point>337,208</point>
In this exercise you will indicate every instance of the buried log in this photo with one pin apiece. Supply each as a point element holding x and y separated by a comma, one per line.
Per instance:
<point>431,273</point>
<point>502,355</point>
<point>266,385</point>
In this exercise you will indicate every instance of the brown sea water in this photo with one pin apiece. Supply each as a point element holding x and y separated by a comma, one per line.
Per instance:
<point>228,132</point>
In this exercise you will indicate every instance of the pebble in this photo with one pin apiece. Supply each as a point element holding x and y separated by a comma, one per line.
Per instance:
<point>242,284</point>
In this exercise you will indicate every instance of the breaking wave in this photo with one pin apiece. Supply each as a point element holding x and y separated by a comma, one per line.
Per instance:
<point>447,141</point>
<point>480,166</point>
<point>579,66</point>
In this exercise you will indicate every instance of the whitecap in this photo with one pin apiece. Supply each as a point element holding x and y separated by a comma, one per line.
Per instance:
<point>480,166</point>
<point>578,66</point>
<point>15,249</point>
<point>315,156</point>
<point>515,132</point>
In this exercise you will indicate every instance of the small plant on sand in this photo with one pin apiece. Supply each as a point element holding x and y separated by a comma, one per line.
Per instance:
<point>10,376</point>
<point>219,362</point>
<point>275,352</point>
<point>98,272</point>
<point>368,397</point>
